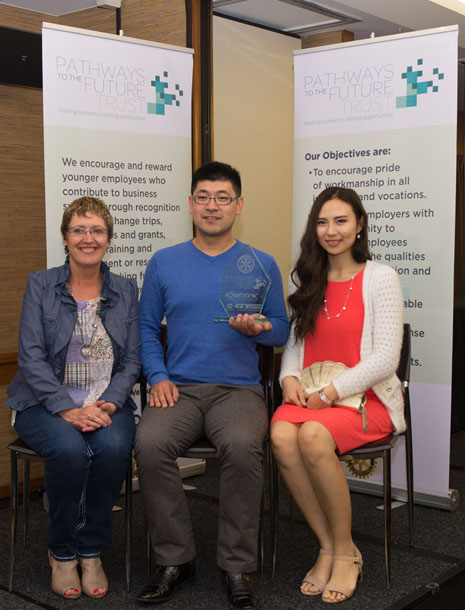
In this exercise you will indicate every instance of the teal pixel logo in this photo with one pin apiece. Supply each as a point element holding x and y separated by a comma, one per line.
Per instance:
<point>415,87</point>
<point>162,97</point>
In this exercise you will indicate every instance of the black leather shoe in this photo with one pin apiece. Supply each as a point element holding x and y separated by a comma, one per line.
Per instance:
<point>165,581</point>
<point>239,589</point>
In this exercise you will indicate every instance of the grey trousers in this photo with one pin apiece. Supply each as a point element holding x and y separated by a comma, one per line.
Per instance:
<point>234,418</point>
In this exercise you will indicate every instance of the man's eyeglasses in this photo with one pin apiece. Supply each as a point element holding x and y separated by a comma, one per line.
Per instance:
<point>81,231</point>
<point>219,199</point>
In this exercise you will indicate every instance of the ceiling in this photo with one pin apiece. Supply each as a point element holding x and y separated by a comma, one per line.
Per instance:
<point>52,7</point>
<point>303,17</point>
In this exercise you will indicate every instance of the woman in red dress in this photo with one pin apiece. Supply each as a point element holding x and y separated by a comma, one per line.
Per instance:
<point>344,309</point>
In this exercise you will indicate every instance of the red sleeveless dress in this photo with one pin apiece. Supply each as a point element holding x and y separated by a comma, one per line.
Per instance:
<point>338,339</point>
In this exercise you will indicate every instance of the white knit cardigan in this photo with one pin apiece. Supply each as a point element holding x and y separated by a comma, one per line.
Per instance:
<point>379,348</point>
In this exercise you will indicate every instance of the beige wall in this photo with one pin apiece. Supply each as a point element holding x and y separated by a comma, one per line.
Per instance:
<point>253,129</point>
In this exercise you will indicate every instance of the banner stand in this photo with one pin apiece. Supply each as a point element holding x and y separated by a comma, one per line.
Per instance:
<point>117,125</point>
<point>380,116</point>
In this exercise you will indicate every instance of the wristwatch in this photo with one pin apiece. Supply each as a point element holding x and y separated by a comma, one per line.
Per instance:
<point>324,398</point>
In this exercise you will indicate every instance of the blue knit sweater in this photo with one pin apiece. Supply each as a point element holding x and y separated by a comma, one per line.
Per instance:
<point>183,284</point>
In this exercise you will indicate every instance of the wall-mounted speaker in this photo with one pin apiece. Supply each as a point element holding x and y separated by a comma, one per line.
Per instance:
<point>20,57</point>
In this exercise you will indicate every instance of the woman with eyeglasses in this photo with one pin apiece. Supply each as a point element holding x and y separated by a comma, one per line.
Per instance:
<point>78,359</point>
<point>338,376</point>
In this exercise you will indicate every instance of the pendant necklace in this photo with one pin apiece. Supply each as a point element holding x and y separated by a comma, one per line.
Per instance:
<point>344,307</point>
<point>87,347</point>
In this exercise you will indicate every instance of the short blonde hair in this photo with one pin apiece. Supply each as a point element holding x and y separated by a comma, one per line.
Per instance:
<point>87,204</point>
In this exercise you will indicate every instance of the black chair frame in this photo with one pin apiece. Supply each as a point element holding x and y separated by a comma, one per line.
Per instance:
<point>19,450</point>
<point>377,450</point>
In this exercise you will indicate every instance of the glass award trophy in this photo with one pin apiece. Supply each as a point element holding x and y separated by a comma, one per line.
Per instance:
<point>245,287</point>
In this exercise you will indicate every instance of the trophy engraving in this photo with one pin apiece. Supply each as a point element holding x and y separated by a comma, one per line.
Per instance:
<point>244,287</point>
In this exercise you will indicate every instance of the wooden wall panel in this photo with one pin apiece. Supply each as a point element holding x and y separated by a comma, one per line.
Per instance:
<point>98,19</point>
<point>22,218</point>
<point>22,202</point>
<point>23,20</point>
<point>156,20</point>
<point>160,20</point>
<point>324,38</point>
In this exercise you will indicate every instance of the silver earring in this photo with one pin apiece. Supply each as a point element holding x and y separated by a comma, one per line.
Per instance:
<point>358,235</point>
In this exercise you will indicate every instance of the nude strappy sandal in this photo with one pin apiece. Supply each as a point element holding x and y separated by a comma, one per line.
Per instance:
<point>316,581</point>
<point>334,587</point>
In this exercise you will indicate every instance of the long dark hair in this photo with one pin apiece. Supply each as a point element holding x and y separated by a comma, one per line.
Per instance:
<point>310,274</point>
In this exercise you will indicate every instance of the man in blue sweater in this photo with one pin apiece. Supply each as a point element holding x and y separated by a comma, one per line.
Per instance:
<point>209,385</point>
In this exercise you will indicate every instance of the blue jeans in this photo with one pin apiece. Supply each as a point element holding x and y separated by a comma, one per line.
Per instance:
<point>84,473</point>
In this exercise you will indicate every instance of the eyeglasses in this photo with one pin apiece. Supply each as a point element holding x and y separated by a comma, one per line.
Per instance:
<point>81,231</point>
<point>218,199</point>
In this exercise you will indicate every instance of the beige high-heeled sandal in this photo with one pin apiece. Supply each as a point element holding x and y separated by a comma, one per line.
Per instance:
<point>316,581</point>
<point>65,578</point>
<point>94,580</point>
<point>334,587</point>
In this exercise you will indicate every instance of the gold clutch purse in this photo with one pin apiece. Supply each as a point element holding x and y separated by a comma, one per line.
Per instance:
<point>320,374</point>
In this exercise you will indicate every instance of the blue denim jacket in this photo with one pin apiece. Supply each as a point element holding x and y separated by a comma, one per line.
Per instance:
<point>46,326</point>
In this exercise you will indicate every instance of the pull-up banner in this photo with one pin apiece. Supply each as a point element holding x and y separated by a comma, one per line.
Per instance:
<point>117,125</point>
<point>379,116</point>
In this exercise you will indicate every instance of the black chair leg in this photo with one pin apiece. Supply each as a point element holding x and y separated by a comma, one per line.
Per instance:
<point>13,517</point>
<point>26,492</point>
<point>274,513</point>
<point>148,550</point>
<point>291,515</point>
<point>128,524</point>
<point>261,525</point>
<point>261,538</point>
<point>410,492</point>
<point>387,514</point>
<point>269,472</point>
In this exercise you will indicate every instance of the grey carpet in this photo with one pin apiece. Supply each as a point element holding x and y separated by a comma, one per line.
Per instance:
<point>439,546</point>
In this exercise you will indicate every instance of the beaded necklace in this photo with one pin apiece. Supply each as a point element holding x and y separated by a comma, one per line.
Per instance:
<point>344,307</point>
